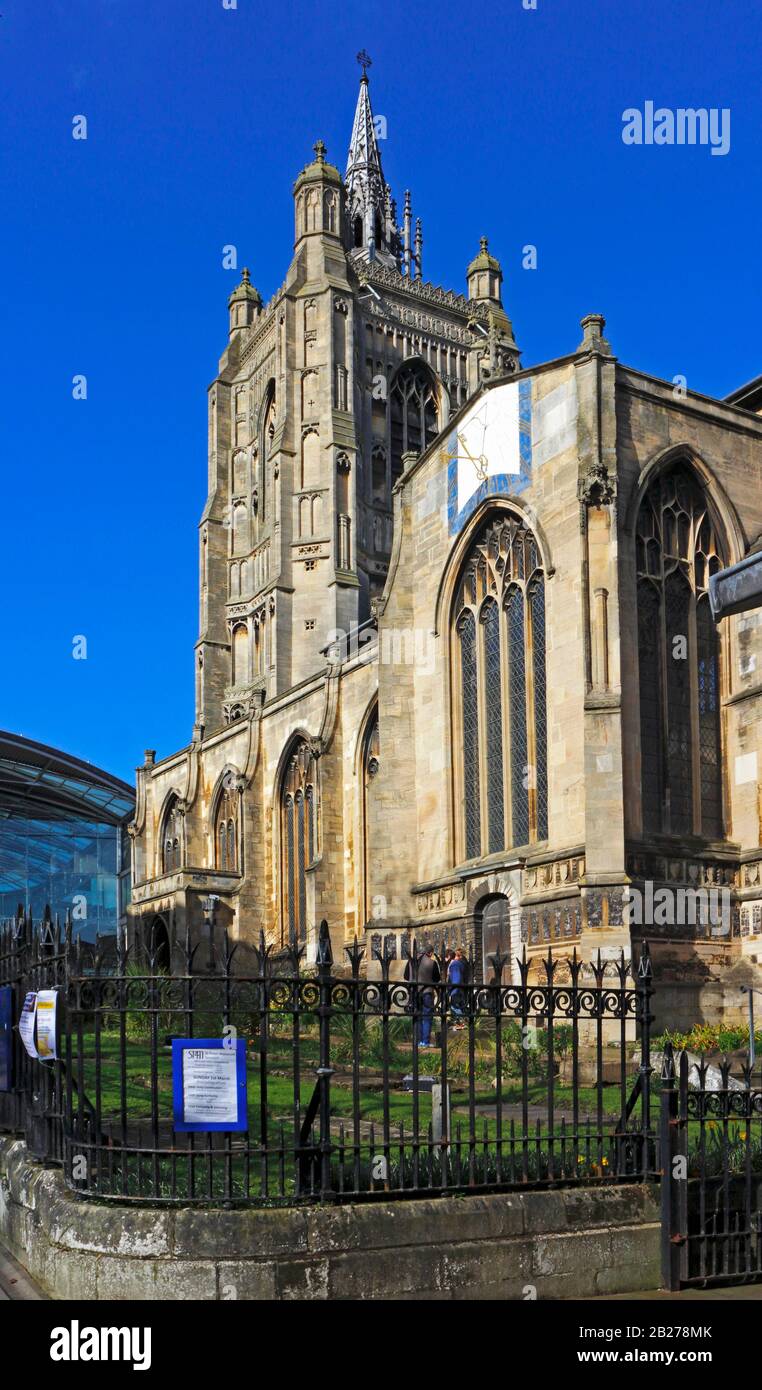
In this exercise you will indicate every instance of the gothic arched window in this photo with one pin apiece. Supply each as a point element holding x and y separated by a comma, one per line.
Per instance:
<point>679,659</point>
<point>414,413</point>
<point>298,807</point>
<point>369,764</point>
<point>226,830</point>
<point>498,636</point>
<point>172,838</point>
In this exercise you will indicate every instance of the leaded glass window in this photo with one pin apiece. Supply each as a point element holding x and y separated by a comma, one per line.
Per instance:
<point>172,838</point>
<point>500,691</point>
<point>414,414</point>
<point>494,720</point>
<point>679,659</point>
<point>226,833</point>
<point>370,764</point>
<point>470,717</point>
<point>298,838</point>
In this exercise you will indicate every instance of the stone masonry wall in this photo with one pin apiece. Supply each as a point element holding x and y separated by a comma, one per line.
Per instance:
<point>508,1246</point>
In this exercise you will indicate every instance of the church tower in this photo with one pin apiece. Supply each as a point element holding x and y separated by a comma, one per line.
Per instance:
<point>324,395</point>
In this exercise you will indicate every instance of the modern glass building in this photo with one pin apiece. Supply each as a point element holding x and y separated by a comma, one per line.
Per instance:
<point>63,837</point>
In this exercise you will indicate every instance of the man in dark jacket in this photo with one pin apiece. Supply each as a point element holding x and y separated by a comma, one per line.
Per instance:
<point>428,975</point>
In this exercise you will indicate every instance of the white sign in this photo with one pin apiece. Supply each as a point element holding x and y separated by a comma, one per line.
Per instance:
<point>26,1023</point>
<point>210,1094</point>
<point>47,1000</point>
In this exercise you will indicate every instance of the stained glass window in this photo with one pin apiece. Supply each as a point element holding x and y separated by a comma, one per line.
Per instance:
<point>677,549</point>
<point>298,838</point>
<point>494,722</point>
<point>413,412</point>
<point>502,762</point>
<point>470,708</point>
<point>537,610</point>
<point>514,607</point>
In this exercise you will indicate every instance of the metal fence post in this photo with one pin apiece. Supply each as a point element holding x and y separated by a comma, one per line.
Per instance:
<point>674,1175</point>
<point>644,987</point>
<point>325,1070</point>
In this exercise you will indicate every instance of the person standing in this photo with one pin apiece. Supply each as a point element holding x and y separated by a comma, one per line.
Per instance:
<point>428,976</point>
<point>456,978</point>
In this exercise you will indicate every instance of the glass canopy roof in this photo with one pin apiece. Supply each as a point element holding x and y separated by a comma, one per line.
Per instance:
<point>36,780</point>
<point>62,837</point>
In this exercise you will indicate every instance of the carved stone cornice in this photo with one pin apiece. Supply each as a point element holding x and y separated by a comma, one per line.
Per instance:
<point>378,274</point>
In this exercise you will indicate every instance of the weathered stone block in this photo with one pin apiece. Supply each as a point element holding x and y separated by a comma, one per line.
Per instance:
<point>254,1234</point>
<point>244,1279</point>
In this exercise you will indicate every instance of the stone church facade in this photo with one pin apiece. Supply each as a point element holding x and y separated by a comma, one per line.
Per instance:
<point>456,676</point>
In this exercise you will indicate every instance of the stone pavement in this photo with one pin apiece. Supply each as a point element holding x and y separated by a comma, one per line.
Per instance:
<point>743,1292</point>
<point>15,1283</point>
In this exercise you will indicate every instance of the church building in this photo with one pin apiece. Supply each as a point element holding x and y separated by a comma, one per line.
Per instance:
<point>457,679</point>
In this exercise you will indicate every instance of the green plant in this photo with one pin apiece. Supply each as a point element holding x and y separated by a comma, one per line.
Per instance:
<point>708,1037</point>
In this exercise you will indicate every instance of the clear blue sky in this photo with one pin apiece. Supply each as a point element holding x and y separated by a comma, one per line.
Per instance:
<point>502,121</point>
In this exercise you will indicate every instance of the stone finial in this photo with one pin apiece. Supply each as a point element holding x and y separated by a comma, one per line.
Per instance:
<point>149,757</point>
<point>245,290</point>
<point>320,151</point>
<point>592,326</point>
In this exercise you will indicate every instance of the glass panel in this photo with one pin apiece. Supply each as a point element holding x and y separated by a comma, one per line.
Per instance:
<point>518,717</point>
<point>66,864</point>
<point>678,718</point>
<point>494,722</point>
<point>709,721</point>
<point>537,604</point>
<point>467,634</point>
<point>310,826</point>
<point>300,868</point>
<point>289,885</point>
<point>674,520</point>
<point>649,643</point>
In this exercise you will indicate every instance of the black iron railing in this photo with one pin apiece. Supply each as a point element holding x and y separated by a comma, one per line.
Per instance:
<point>356,1087</point>
<point>711,1127</point>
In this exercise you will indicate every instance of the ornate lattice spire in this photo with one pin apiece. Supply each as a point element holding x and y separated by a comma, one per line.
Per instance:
<point>368,194</point>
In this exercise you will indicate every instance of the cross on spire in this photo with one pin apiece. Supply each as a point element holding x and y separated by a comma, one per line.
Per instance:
<point>365,61</point>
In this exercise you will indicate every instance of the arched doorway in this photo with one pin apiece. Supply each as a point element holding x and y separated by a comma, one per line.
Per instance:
<point>494,936</point>
<point>156,942</point>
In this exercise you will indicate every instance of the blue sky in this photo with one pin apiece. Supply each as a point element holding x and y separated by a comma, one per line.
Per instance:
<point>502,121</point>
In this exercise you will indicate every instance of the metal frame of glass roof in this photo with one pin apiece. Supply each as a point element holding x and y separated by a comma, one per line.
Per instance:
<point>46,784</point>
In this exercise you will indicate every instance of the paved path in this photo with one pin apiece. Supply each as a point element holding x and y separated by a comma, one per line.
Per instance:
<point>15,1283</point>
<point>738,1292</point>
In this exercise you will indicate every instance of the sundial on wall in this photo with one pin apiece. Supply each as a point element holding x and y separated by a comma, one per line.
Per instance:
<point>489,450</point>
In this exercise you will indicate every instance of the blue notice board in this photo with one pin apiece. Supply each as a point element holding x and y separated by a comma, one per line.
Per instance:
<point>209,1085</point>
<point>6,1037</point>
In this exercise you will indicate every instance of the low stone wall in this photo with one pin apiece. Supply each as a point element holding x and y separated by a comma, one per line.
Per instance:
<point>561,1244</point>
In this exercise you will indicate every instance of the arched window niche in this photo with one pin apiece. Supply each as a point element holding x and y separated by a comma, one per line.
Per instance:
<point>678,547</point>
<point>226,838</point>
<point>499,691</point>
<point>368,767</point>
<point>413,412</point>
<point>298,838</point>
<point>172,837</point>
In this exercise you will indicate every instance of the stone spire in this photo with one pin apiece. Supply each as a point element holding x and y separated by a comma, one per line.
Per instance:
<point>371,233</point>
